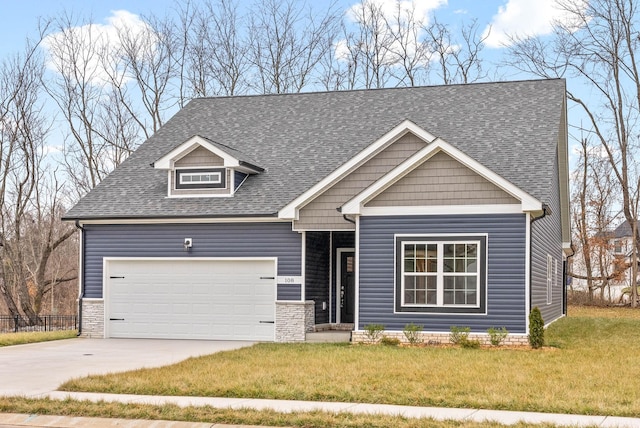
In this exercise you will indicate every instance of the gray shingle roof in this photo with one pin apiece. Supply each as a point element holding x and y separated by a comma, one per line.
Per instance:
<point>510,127</point>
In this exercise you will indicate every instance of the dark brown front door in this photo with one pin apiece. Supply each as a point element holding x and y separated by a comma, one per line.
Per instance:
<point>347,286</point>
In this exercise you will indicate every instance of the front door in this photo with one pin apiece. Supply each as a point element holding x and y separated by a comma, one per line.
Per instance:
<point>346,289</point>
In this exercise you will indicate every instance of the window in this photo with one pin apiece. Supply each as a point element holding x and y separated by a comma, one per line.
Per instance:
<point>617,246</point>
<point>440,274</point>
<point>549,279</point>
<point>210,178</point>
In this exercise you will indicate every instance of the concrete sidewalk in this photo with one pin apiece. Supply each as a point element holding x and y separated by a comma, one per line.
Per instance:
<point>287,406</point>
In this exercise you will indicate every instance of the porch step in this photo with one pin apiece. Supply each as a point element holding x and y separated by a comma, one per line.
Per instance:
<point>329,336</point>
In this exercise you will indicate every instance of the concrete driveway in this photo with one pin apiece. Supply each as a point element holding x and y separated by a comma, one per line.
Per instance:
<point>38,368</point>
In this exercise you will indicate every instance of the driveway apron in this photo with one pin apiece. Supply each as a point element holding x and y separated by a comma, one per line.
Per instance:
<point>39,368</point>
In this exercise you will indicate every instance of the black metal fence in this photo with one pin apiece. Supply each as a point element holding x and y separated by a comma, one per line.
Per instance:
<point>11,324</point>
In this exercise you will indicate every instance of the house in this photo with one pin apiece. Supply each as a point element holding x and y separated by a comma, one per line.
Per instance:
<point>266,217</point>
<point>611,265</point>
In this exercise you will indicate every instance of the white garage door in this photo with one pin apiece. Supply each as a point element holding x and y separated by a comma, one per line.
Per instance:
<point>190,299</point>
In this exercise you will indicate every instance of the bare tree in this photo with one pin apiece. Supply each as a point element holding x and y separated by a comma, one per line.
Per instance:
<point>597,47</point>
<point>459,56</point>
<point>594,200</point>
<point>370,47</point>
<point>25,204</point>
<point>287,42</point>
<point>412,55</point>
<point>77,88</point>
<point>216,60</point>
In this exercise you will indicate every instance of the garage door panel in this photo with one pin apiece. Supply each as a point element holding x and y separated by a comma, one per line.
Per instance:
<point>199,299</point>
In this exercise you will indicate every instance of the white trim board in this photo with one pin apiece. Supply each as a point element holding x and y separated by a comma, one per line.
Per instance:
<point>179,220</point>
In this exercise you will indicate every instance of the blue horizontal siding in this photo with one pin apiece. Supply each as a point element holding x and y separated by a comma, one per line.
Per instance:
<point>505,270</point>
<point>209,240</point>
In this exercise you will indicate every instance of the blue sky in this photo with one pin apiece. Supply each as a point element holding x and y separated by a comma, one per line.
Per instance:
<point>20,18</point>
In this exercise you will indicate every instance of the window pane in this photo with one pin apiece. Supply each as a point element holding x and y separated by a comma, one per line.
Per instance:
<point>432,290</point>
<point>409,251</point>
<point>421,282</point>
<point>420,265</point>
<point>472,250</point>
<point>420,297</point>
<point>472,265</point>
<point>420,251</point>
<point>409,297</point>
<point>449,250</point>
<point>448,265</point>
<point>461,250</point>
<point>409,265</point>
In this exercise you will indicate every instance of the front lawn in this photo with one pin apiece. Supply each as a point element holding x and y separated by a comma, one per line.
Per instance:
<point>8,339</point>
<point>590,368</point>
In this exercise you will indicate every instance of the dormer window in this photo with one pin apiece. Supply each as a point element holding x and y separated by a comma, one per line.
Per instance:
<point>201,178</point>
<point>200,167</point>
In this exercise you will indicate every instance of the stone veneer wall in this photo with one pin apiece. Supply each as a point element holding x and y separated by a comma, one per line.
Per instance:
<point>92,318</point>
<point>293,320</point>
<point>443,338</point>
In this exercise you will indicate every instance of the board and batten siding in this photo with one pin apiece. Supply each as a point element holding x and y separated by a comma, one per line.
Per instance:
<point>546,239</point>
<point>209,240</point>
<point>441,180</point>
<point>321,214</point>
<point>506,255</point>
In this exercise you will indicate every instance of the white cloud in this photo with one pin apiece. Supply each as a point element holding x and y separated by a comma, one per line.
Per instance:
<point>524,18</point>
<point>89,45</point>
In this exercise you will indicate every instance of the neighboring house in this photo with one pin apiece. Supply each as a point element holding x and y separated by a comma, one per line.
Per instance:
<point>613,250</point>
<point>266,217</point>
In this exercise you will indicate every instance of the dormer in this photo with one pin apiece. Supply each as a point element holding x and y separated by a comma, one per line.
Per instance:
<point>200,167</point>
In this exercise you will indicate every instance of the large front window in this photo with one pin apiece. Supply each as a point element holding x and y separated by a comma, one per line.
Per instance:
<point>440,273</point>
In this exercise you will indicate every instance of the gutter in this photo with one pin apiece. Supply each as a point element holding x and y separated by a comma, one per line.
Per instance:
<point>80,276</point>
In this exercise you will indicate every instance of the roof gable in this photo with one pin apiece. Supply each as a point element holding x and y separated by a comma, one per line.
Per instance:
<point>357,203</point>
<point>290,211</point>
<point>232,158</point>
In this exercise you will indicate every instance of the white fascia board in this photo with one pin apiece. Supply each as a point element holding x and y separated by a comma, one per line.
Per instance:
<point>290,211</point>
<point>183,220</point>
<point>168,160</point>
<point>355,206</point>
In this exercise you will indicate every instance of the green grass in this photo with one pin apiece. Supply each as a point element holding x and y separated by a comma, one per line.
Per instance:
<point>586,372</point>
<point>227,416</point>
<point>8,339</point>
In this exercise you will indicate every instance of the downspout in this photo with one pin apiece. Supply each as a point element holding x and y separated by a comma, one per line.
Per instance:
<point>80,276</point>
<point>564,279</point>
<point>545,211</point>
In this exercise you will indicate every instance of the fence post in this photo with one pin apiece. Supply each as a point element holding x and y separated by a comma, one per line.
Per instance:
<point>15,323</point>
<point>45,324</point>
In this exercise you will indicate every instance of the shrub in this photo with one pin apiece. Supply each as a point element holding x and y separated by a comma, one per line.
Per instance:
<point>373,332</point>
<point>390,341</point>
<point>459,334</point>
<point>412,333</point>
<point>536,329</point>
<point>470,343</point>
<point>497,335</point>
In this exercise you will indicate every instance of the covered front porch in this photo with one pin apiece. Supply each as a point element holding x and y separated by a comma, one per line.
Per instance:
<point>329,278</point>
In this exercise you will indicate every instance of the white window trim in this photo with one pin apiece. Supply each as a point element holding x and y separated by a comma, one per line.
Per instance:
<point>217,177</point>
<point>440,275</point>
<point>448,310</point>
